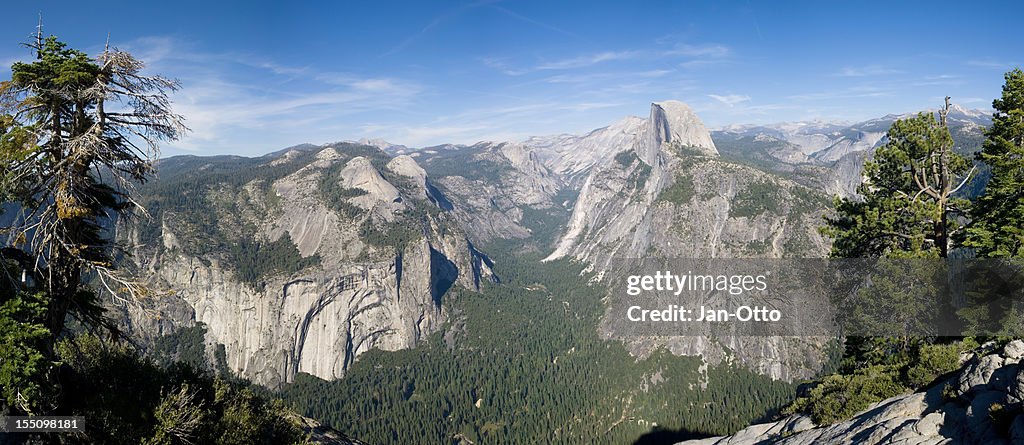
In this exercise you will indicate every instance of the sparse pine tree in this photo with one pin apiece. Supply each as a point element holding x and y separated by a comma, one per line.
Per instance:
<point>996,228</point>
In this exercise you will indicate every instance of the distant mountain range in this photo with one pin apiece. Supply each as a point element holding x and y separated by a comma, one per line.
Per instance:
<point>341,248</point>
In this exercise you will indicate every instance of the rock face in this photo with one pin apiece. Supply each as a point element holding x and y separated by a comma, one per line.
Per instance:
<point>667,193</point>
<point>359,173</point>
<point>673,122</point>
<point>320,434</point>
<point>571,157</point>
<point>493,186</point>
<point>638,169</point>
<point>831,155</point>
<point>360,288</point>
<point>624,210</point>
<point>380,237</point>
<point>978,405</point>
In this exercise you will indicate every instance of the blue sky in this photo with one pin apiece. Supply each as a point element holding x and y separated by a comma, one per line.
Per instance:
<point>259,76</point>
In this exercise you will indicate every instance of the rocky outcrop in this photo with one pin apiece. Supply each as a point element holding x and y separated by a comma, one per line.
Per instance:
<point>491,186</point>
<point>571,156</point>
<point>622,211</point>
<point>318,433</point>
<point>837,149</point>
<point>359,173</point>
<point>980,404</point>
<point>670,195</point>
<point>673,122</point>
<point>359,294</point>
<point>614,200</point>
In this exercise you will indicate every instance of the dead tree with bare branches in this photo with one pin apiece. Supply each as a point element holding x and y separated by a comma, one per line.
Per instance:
<point>77,135</point>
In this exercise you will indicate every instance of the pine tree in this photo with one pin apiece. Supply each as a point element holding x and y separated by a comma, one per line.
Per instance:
<point>908,208</point>
<point>76,136</point>
<point>996,228</point>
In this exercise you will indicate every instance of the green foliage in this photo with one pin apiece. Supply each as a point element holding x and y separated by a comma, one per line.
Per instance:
<point>546,225</point>
<point>393,235</point>
<point>902,214</point>
<point>680,192</point>
<point>186,201</point>
<point>626,158</point>
<point>75,164</point>
<point>933,360</point>
<point>685,151</point>
<point>57,68</point>
<point>839,396</point>
<point>254,261</point>
<point>23,339</point>
<point>466,162</point>
<point>528,351</point>
<point>128,399</point>
<point>901,298</point>
<point>336,197</point>
<point>638,175</point>
<point>178,418</point>
<point>996,229</point>
<point>183,199</point>
<point>876,368</point>
<point>751,150</point>
<point>184,345</point>
<point>756,198</point>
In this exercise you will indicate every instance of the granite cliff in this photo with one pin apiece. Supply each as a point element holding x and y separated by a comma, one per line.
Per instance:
<point>666,192</point>
<point>317,257</point>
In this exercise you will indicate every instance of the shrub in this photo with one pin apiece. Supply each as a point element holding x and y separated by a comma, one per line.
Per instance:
<point>839,397</point>
<point>681,191</point>
<point>933,361</point>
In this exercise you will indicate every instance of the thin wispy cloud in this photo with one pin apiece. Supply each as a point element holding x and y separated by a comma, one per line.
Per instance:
<point>709,51</point>
<point>605,76</point>
<point>589,60</point>
<point>496,123</point>
<point>441,19</point>
<point>531,21</point>
<point>942,79</point>
<point>6,62</point>
<point>437,21</point>
<point>457,72</point>
<point>730,99</point>
<point>219,102</point>
<point>991,64</point>
<point>867,71</point>
<point>505,66</point>
<point>685,55</point>
<point>856,92</point>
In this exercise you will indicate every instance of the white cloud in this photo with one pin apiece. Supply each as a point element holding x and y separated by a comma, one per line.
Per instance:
<point>730,99</point>
<point>847,93</point>
<point>604,77</point>
<point>991,63</point>
<point>709,51</point>
<point>866,71</point>
<point>225,108</point>
<point>589,60</point>
<point>704,54</point>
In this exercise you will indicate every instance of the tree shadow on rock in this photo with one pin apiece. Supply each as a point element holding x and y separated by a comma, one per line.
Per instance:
<point>663,436</point>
